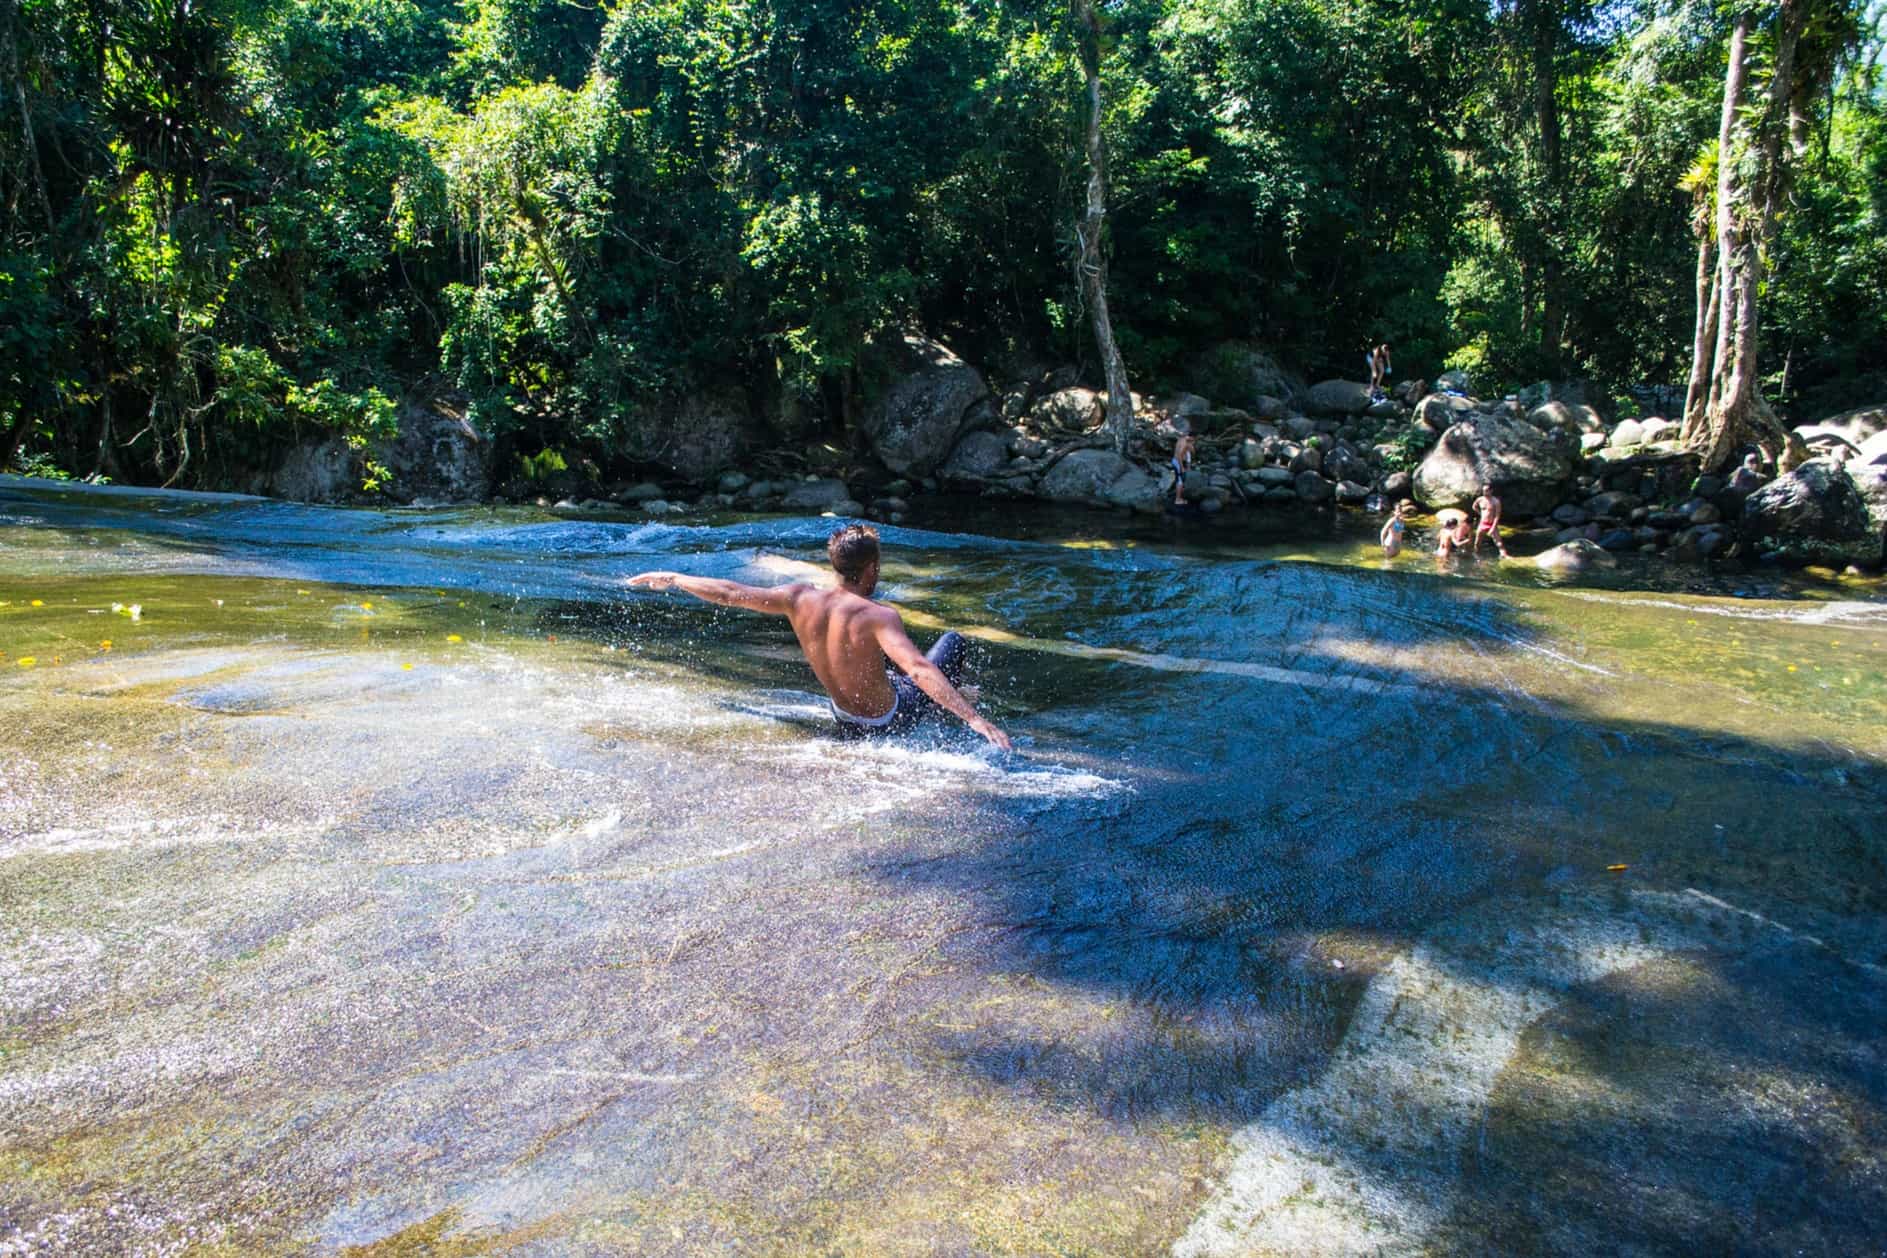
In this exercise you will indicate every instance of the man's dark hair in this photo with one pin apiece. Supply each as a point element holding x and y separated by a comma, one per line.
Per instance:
<point>852,549</point>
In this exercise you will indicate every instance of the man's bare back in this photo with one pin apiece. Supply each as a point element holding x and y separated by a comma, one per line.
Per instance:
<point>847,639</point>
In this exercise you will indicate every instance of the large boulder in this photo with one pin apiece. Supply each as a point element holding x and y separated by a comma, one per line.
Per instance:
<point>1556,415</point>
<point>697,436</point>
<point>1241,374</point>
<point>979,456</point>
<point>1312,487</point>
<point>1440,411</point>
<point>1530,469</point>
<point>1084,476</point>
<point>915,423</point>
<point>1070,408</point>
<point>318,471</point>
<point>1181,405</point>
<point>1870,481</point>
<point>1850,428</point>
<point>1657,428</point>
<point>1819,503</point>
<point>1337,397</point>
<point>1137,490</point>
<point>437,456</point>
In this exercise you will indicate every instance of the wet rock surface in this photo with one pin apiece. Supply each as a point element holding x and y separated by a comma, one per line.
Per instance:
<point>393,879</point>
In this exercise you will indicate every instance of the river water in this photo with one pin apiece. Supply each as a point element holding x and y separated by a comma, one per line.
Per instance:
<point>394,882</point>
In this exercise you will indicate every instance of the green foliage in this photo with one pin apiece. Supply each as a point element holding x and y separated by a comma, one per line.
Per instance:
<point>543,465</point>
<point>238,223</point>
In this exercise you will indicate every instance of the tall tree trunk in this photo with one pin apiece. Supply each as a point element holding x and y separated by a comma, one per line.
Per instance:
<point>1697,396</point>
<point>1092,261</point>
<point>1750,179</point>
<point>1546,35</point>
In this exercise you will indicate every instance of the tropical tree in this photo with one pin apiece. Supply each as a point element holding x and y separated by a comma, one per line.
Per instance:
<point>1769,96</point>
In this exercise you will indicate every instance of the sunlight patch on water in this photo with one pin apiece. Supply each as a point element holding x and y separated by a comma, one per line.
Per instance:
<point>1367,1160</point>
<point>1870,615</point>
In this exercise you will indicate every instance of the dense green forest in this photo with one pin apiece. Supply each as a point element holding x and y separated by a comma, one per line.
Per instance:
<point>228,223</point>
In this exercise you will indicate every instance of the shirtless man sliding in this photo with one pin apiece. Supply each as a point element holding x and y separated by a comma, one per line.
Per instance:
<point>848,638</point>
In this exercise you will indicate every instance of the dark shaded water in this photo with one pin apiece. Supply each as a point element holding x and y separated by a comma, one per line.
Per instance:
<point>392,875</point>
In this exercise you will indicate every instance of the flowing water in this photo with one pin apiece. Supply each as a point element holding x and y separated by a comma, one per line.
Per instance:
<point>393,882</point>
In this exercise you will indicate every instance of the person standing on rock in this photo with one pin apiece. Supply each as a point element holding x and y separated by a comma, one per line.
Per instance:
<point>849,639</point>
<point>1487,507</point>
<point>1182,461</point>
<point>1378,360</point>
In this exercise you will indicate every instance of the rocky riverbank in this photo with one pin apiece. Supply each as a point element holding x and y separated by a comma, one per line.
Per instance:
<point>1576,486</point>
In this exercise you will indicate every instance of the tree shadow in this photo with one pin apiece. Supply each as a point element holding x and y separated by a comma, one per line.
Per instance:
<point>1335,808</point>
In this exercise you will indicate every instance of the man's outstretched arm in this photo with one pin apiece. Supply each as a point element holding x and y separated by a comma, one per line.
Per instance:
<point>775,600</point>
<point>903,652</point>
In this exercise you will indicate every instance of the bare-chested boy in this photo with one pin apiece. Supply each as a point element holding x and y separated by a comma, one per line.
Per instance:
<point>1182,462</point>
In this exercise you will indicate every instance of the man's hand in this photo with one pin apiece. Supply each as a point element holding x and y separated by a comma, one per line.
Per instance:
<point>654,581</point>
<point>995,736</point>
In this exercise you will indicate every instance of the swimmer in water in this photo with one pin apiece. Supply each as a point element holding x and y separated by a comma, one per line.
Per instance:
<point>1395,527</point>
<point>1452,537</point>
<point>848,639</point>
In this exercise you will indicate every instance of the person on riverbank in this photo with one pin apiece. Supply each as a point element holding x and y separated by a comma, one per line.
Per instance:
<point>1452,535</point>
<point>1394,528</point>
<point>1487,507</point>
<point>849,640</point>
<point>1182,461</point>
<point>1378,360</point>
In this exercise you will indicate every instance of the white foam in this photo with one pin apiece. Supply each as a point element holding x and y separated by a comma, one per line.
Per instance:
<point>1839,611</point>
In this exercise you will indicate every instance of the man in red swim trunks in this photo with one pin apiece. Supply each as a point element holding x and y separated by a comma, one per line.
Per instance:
<point>1487,506</point>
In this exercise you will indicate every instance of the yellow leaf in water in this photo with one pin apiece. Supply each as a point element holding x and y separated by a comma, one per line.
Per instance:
<point>27,661</point>
<point>1791,668</point>
<point>407,667</point>
<point>366,607</point>
<point>105,645</point>
<point>453,637</point>
<point>39,602</point>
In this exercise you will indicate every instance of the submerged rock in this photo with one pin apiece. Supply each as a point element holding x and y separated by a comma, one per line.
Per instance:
<point>1578,555</point>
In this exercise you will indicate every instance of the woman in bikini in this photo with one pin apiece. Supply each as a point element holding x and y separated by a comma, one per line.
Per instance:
<point>1395,527</point>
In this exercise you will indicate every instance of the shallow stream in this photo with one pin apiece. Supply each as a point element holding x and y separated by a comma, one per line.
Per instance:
<point>394,880</point>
